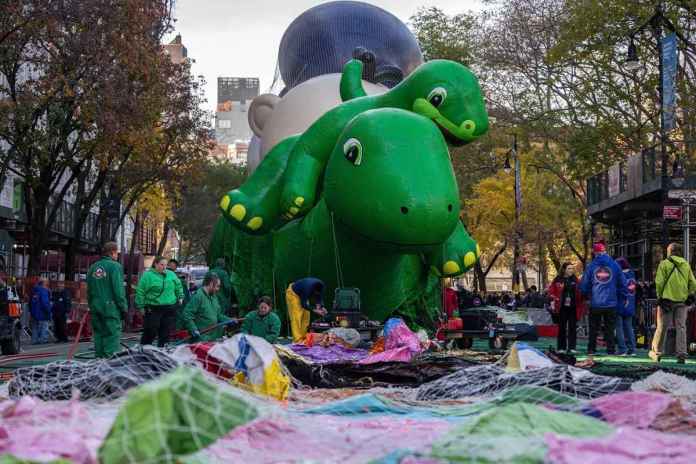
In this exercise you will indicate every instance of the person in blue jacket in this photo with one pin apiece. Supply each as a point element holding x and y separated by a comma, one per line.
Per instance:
<point>604,285</point>
<point>625,338</point>
<point>40,312</point>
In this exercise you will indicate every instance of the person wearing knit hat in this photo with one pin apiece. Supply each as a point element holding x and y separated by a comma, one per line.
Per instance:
<point>604,285</point>
<point>625,311</point>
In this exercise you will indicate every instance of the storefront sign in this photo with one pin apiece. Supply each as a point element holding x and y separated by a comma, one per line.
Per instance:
<point>672,212</point>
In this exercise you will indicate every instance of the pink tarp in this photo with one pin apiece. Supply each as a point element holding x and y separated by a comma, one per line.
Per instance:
<point>326,439</point>
<point>626,446</point>
<point>45,431</point>
<point>636,409</point>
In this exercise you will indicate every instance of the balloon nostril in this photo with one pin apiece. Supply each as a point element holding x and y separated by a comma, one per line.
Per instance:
<point>404,210</point>
<point>449,208</point>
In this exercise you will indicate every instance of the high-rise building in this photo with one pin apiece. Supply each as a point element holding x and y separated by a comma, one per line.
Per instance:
<point>231,118</point>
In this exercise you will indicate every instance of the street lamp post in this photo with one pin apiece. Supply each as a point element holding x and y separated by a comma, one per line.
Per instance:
<point>657,21</point>
<point>518,207</point>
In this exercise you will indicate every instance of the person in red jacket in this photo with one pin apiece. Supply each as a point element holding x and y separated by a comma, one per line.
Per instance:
<point>567,302</point>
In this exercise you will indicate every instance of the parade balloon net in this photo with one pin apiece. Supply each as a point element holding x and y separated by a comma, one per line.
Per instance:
<point>148,405</point>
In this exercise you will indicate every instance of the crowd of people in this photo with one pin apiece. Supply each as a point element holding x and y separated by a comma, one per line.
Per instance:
<point>610,293</point>
<point>610,296</point>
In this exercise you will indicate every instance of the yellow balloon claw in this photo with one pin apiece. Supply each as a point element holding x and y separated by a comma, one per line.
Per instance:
<point>451,268</point>
<point>225,203</point>
<point>238,212</point>
<point>255,223</point>
<point>469,259</point>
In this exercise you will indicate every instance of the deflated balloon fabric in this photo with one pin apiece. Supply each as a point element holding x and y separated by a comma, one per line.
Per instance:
<point>637,409</point>
<point>184,424</point>
<point>325,439</point>
<point>626,446</point>
<point>400,344</point>
<point>36,430</point>
<point>513,433</point>
<point>332,354</point>
<point>369,405</point>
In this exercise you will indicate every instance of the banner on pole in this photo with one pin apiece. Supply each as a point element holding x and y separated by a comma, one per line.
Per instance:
<point>668,48</point>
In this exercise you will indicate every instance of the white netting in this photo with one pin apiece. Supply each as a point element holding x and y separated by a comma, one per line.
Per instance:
<point>193,405</point>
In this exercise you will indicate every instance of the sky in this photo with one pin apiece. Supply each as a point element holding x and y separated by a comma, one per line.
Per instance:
<point>240,38</point>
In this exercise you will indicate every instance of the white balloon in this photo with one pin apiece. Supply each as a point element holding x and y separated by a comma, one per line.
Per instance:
<point>254,152</point>
<point>300,107</point>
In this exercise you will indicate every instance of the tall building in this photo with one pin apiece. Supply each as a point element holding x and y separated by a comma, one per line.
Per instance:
<point>231,118</point>
<point>176,50</point>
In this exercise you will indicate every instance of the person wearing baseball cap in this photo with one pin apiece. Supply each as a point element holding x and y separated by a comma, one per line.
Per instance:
<point>605,286</point>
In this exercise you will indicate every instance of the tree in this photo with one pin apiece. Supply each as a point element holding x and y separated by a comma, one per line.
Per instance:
<point>197,211</point>
<point>445,37</point>
<point>546,214</point>
<point>72,82</point>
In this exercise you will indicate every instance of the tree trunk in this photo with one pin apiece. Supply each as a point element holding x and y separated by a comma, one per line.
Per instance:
<point>525,284</point>
<point>129,271</point>
<point>480,277</point>
<point>77,225</point>
<point>163,242</point>
<point>38,233</point>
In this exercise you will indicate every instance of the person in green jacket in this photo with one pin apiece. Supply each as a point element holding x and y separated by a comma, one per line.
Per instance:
<point>204,311</point>
<point>263,322</point>
<point>106,299</point>
<point>674,282</point>
<point>158,293</point>
<point>224,296</point>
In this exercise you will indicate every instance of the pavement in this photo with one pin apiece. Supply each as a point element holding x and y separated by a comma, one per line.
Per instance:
<point>32,355</point>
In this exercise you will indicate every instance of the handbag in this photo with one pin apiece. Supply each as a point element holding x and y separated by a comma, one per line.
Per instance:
<point>663,303</point>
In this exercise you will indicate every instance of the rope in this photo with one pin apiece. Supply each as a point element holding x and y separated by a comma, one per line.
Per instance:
<point>339,270</point>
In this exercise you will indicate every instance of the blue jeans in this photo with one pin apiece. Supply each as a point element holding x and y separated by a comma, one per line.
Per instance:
<point>625,338</point>
<point>39,331</point>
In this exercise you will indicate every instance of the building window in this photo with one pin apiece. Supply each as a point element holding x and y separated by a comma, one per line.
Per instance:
<point>224,124</point>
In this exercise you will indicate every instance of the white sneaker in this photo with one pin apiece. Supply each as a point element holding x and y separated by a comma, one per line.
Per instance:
<point>561,351</point>
<point>573,352</point>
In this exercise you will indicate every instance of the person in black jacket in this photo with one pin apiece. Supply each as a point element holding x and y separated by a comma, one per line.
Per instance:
<point>62,304</point>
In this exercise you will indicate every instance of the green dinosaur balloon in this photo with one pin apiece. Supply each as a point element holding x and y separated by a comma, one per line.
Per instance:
<point>443,91</point>
<point>386,215</point>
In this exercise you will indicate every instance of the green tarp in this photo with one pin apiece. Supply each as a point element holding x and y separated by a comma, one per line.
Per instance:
<point>513,433</point>
<point>171,417</point>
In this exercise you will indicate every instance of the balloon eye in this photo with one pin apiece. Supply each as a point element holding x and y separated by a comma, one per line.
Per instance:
<point>437,96</point>
<point>352,150</point>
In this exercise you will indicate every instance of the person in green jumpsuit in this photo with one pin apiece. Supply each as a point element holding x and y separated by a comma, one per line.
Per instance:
<point>263,322</point>
<point>158,293</point>
<point>204,311</point>
<point>224,296</point>
<point>106,299</point>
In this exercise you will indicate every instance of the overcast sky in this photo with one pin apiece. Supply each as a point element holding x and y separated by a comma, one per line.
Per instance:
<point>240,38</point>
